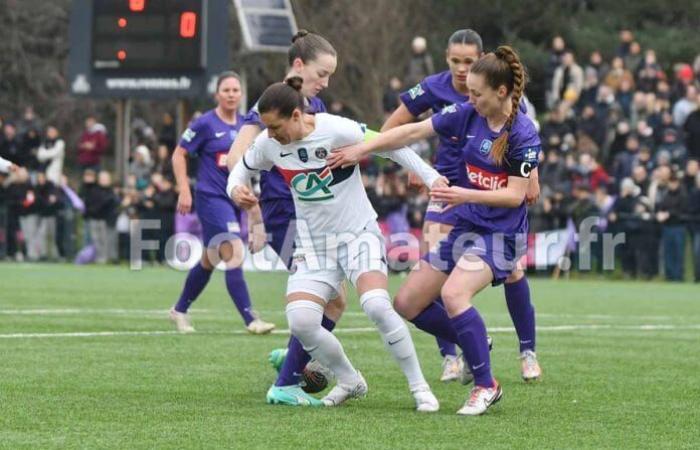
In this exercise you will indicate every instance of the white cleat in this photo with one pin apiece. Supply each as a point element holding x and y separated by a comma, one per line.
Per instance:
<point>481,399</point>
<point>259,326</point>
<point>182,321</point>
<point>451,368</point>
<point>340,393</point>
<point>425,400</point>
<point>530,368</point>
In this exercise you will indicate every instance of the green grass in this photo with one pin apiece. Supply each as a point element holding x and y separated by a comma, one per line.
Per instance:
<point>614,385</point>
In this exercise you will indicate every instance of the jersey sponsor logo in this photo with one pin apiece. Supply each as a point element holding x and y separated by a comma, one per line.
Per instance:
<point>221,159</point>
<point>188,135</point>
<point>321,153</point>
<point>449,109</point>
<point>219,134</point>
<point>483,179</point>
<point>312,186</point>
<point>416,91</point>
<point>485,146</point>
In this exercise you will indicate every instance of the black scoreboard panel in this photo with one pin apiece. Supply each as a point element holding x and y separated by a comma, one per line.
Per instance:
<point>130,35</point>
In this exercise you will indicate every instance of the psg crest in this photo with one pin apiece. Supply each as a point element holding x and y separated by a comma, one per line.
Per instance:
<point>321,153</point>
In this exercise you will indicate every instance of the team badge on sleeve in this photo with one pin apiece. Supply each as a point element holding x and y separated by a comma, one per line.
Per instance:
<point>188,135</point>
<point>416,91</point>
<point>449,109</point>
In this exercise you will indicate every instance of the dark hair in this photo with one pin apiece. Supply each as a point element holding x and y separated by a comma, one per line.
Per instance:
<point>308,46</point>
<point>503,67</point>
<point>283,97</point>
<point>467,37</point>
<point>224,76</point>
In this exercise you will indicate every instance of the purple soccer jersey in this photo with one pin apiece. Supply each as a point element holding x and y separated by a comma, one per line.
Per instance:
<point>434,93</point>
<point>210,138</point>
<point>272,184</point>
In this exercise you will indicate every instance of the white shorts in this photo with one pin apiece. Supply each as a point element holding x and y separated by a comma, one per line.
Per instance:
<point>321,272</point>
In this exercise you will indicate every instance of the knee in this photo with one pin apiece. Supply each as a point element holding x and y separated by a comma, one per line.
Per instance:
<point>405,305</point>
<point>304,318</point>
<point>455,299</point>
<point>376,304</point>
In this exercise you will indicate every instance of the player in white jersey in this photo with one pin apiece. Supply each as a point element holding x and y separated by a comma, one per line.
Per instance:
<point>337,234</point>
<point>7,166</point>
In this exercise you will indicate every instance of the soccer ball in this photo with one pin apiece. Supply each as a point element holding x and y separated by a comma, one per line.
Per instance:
<point>315,377</point>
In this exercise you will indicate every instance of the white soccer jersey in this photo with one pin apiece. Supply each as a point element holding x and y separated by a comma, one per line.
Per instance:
<point>329,201</point>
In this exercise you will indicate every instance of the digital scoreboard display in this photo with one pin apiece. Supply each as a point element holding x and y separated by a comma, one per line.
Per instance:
<point>143,35</point>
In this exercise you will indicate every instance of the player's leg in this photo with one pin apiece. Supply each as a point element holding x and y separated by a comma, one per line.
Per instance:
<point>522,312</point>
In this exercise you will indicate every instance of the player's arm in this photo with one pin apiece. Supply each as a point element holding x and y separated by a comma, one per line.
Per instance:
<point>408,159</point>
<point>184,199</point>
<point>533,187</point>
<point>245,137</point>
<point>238,186</point>
<point>400,116</point>
<point>386,141</point>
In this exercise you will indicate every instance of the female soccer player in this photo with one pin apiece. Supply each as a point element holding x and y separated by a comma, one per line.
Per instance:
<point>314,59</point>
<point>337,234</point>
<point>501,146</point>
<point>435,93</point>
<point>210,137</point>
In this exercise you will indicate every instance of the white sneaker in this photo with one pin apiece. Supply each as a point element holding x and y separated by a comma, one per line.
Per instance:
<point>451,368</point>
<point>340,393</point>
<point>481,399</point>
<point>259,326</point>
<point>425,400</point>
<point>182,321</point>
<point>529,367</point>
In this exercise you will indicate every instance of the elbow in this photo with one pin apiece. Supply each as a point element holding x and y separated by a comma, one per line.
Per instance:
<point>514,200</point>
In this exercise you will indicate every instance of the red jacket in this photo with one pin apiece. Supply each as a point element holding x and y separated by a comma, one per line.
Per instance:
<point>92,145</point>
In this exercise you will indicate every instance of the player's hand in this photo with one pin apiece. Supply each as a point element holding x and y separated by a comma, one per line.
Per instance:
<point>533,191</point>
<point>414,181</point>
<point>451,195</point>
<point>244,198</point>
<point>441,182</point>
<point>257,237</point>
<point>184,202</point>
<point>14,168</point>
<point>345,156</point>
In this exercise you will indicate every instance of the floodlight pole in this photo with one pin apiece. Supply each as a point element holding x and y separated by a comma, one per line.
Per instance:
<point>122,144</point>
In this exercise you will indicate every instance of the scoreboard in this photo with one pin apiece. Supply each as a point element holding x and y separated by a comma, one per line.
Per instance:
<point>147,35</point>
<point>147,48</point>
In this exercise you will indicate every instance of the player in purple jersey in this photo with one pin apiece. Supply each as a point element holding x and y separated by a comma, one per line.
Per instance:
<point>314,59</point>
<point>209,137</point>
<point>500,150</point>
<point>435,93</point>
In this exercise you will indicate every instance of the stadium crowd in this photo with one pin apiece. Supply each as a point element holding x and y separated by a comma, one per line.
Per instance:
<point>621,143</point>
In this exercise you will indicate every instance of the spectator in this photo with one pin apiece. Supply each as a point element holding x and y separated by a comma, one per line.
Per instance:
<point>622,166</point>
<point>640,176</point>
<point>92,144</point>
<point>11,147</point>
<point>617,73</point>
<point>692,131</point>
<point>165,201</point>
<point>554,61</point>
<point>100,209</point>
<point>686,105</point>
<point>694,225</point>
<point>140,166</point>
<point>51,155</point>
<point>626,39</point>
<point>27,210</point>
<point>167,135</point>
<point>692,168</point>
<point>421,63</point>
<point>670,213</point>
<point>649,73</point>
<point>628,216</point>
<point>633,59</point>
<point>49,204</point>
<point>390,98</point>
<point>164,164</point>
<point>673,147</point>
<point>596,65</point>
<point>567,82</point>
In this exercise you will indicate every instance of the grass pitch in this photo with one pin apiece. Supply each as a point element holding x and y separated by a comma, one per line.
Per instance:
<point>87,359</point>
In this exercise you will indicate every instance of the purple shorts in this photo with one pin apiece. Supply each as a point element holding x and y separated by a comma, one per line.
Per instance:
<point>500,251</point>
<point>219,217</point>
<point>434,213</point>
<point>278,216</point>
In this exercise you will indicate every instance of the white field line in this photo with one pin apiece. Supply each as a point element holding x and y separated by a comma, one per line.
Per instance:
<point>280,312</point>
<point>557,328</point>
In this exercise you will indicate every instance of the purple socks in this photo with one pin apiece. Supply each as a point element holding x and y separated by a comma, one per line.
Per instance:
<point>471,332</point>
<point>521,312</point>
<point>434,320</point>
<point>446,347</point>
<point>238,290</point>
<point>197,278</point>
<point>297,358</point>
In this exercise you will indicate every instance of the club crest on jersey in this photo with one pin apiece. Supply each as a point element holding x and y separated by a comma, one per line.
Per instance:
<point>416,91</point>
<point>321,153</point>
<point>449,109</point>
<point>485,146</point>
<point>188,135</point>
<point>303,155</point>
<point>312,186</point>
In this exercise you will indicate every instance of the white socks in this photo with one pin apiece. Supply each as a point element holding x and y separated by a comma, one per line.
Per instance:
<point>304,318</point>
<point>397,339</point>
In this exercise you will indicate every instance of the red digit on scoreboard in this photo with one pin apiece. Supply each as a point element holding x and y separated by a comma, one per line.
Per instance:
<point>137,5</point>
<point>188,24</point>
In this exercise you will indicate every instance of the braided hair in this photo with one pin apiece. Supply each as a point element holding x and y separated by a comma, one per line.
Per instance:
<point>503,67</point>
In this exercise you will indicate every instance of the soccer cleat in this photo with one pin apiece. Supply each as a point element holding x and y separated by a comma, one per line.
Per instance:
<point>291,396</point>
<point>465,376</point>
<point>481,399</point>
<point>277,357</point>
<point>530,368</point>
<point>181,321</point>
<point>258,326</point>
<point>425,400</point>
<point>340,393</point>
<point>451,368</point>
